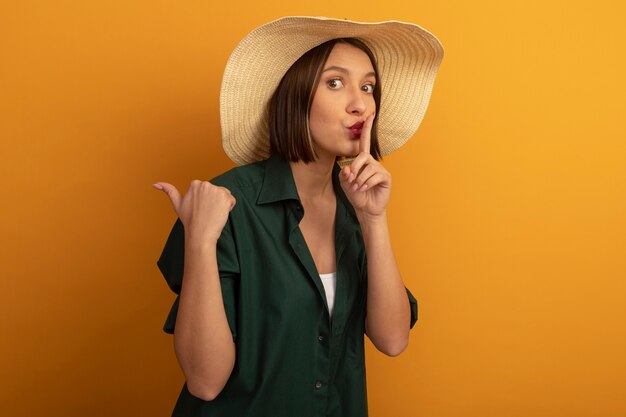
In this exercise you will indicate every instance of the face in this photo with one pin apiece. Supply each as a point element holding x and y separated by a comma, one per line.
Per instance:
<point>343,100</point>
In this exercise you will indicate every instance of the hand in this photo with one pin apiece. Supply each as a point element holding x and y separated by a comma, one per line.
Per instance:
<point>203,210</point>
<point>366,183</point>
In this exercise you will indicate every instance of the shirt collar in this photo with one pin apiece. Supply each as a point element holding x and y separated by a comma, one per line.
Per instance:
<point>278,183</point>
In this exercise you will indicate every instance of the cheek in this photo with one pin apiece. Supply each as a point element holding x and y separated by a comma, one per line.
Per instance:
<point>324,106</point>
<point>320,119</point>
<point>318,113</point>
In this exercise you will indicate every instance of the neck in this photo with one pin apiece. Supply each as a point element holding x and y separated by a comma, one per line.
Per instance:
<point>315,179</point>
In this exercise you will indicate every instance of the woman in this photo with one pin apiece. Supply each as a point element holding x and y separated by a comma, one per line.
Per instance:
<point>287,259</point>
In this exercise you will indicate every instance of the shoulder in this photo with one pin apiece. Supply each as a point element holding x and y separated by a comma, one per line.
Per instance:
<point>242,179</point>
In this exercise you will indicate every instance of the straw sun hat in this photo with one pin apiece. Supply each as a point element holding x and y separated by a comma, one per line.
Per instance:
<point>407,56</point>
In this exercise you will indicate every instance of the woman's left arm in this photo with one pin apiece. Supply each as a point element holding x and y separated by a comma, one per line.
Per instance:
<point>387,323</point>
<point>367,184</point>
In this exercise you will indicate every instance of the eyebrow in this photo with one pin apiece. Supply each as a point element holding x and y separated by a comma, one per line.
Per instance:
<point>345,71</point>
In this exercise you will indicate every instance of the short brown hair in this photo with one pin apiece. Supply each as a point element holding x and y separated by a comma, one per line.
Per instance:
<point>290,105</point>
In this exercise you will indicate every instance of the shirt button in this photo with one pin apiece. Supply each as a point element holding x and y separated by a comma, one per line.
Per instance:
<point>320,338</point>
<point>299,207</point>
<point>318,385</point>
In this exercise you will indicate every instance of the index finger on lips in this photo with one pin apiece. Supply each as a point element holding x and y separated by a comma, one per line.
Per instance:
<point>366,135</point>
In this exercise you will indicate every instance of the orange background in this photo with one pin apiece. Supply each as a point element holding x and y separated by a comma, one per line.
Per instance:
<point>508,210</point>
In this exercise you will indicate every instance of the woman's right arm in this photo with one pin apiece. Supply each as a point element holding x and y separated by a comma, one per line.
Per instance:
<point>203,340</point>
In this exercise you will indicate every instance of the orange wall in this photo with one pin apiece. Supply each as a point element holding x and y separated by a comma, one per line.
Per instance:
<point>507,212</point>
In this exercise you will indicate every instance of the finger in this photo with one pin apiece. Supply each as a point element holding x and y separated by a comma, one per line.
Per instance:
<point>376,180</point>
<point>171,192</point>
<point>344,174</point>
<point>366,134</point>
<point>226,190</point>
<point>364,175</point>
<point>358,163</point>
<point>344,177</point>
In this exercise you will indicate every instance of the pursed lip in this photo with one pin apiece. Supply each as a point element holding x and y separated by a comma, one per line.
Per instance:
<point>355,129</point>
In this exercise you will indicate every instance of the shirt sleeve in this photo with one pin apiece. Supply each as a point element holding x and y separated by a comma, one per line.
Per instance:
<point>171,264</point>
<point>413,303</point>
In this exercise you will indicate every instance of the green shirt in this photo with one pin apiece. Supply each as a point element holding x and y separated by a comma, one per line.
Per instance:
<point>292,360</point>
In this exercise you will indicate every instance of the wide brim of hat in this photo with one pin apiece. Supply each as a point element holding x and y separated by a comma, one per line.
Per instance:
<point>407,56</point>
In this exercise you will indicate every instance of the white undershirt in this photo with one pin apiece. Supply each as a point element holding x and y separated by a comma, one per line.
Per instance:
<point>330,283</point>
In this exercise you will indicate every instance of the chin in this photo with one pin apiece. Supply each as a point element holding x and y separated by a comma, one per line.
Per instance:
<point>346,150</point>
<point>349,155</point>
<point>350,150</point>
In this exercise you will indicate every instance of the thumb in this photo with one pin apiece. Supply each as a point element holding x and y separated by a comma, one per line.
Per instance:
<point>171,192</point>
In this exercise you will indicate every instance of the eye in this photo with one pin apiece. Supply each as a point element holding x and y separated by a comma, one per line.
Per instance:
<point>368,88</point>
<point>335,83</point>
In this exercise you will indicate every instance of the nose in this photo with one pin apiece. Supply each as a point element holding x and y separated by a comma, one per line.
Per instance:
<point>356,102</point>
